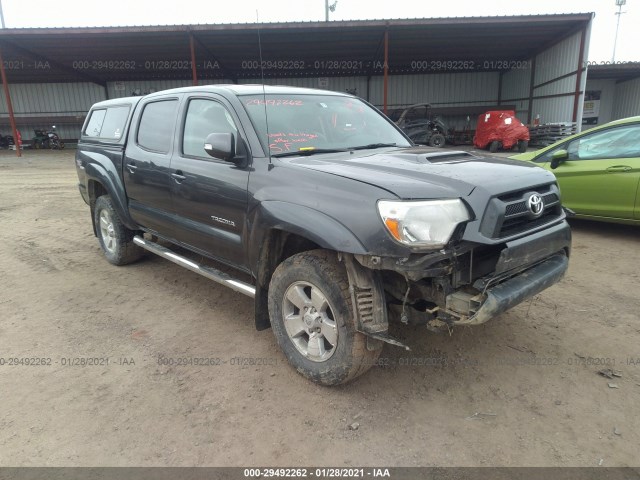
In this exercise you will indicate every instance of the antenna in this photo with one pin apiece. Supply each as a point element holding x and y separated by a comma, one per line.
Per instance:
<point>264,93</point>
<point>619,13</point>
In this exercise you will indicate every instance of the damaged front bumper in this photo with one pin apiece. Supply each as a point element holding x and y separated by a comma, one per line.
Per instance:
<point>467,284</point>
<point>500,298</point>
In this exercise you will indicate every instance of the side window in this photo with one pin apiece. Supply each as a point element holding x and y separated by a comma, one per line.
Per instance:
<point>203,118</point>
<point>417,113</point>
<point>114,122</point>
<point>155,131</point>
<point>94,125</point>
<point>107,123</point>
<point>620,142</point>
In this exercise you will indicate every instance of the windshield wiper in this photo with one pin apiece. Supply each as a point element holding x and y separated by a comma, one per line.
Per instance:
<point>308,151</point>
<point>371,146</point>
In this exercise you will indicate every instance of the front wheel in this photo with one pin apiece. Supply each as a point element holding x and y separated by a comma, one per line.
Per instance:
<point>115,239</point>
<point>437,140</point>
<point>312,319</point>
<point>522,146</point>
<point>493,147</point>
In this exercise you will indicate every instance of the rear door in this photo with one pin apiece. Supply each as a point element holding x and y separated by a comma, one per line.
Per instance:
<point>147,172</point>
<point>209,194</point>
<point>602,174</point>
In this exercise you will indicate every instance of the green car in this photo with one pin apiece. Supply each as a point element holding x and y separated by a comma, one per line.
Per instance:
<point>598,171</point>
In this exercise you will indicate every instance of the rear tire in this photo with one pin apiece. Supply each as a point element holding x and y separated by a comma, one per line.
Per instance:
<point>115,239</point>
<point>313,322</point>
<point>493,147</point>
<point>437,140</point>
<point>522,146</point>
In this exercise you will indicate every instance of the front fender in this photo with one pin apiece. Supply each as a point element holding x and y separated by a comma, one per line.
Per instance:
<point>325,231</point>
<point>107,175</point>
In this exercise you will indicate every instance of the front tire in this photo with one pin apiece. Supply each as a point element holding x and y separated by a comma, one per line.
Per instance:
<point>493,147</point>
<point>312,319</point>
<point>522,146</point>
<point>437,140</point>
<point>115,239</point>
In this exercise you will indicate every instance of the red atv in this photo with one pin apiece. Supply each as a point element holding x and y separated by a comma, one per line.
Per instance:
<point>501,128</point>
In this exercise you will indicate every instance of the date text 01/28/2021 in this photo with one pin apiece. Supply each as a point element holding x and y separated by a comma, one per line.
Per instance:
<point>316,472</point>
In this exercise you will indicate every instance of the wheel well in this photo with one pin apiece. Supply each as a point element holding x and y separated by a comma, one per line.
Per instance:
<point>277,247</point>
<point>96,190</point>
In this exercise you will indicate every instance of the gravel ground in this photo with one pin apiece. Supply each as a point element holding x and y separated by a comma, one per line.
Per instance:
<point>523,389</point>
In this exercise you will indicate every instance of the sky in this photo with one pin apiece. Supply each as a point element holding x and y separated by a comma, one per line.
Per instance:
<point>91,13</point>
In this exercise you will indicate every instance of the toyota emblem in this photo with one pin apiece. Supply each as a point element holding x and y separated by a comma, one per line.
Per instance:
<point>535,204</point>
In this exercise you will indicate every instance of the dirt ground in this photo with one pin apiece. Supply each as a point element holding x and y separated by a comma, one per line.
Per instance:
<point>520,390</point>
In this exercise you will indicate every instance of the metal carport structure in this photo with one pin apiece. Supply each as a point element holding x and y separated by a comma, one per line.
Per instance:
<point>523,60</point>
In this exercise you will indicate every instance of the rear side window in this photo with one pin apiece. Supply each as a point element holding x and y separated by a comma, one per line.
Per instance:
<point>155,131</point>
<point>94,125</point>
<point>107,123</point>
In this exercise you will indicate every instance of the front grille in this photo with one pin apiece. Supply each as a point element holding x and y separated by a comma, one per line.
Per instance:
<point>522,224</point>
<point>509,214</point>
<point>521,207</point>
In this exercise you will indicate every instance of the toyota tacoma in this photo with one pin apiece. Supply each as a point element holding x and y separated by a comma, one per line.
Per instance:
<point>337,222</point>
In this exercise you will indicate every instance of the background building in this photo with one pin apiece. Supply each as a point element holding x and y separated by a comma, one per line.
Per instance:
<point>462,66</point>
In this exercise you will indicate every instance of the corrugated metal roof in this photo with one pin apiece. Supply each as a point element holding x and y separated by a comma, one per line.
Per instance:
<point>390,21</point>
<point>618,71</point>
<point>289,49</point>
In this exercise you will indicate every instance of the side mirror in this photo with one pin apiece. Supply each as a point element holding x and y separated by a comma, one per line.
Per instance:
<point>558,157</point>
<point>220,145</point>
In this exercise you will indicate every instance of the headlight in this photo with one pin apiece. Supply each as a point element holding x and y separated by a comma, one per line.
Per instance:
<point>426,223</point>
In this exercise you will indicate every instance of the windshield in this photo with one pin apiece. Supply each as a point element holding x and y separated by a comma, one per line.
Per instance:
<point>307,123</point>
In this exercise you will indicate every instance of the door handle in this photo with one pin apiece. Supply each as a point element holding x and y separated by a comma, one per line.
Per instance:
<point>619,168</point>
<point>178,176</point>
<point>131,167</point>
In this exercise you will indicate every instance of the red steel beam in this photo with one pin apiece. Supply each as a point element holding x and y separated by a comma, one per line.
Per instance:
<point>12,118</point>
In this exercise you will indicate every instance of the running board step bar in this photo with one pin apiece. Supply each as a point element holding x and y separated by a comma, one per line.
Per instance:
<point>206,271</point>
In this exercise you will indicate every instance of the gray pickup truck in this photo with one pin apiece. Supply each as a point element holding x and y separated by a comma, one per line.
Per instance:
<point>340,222</point>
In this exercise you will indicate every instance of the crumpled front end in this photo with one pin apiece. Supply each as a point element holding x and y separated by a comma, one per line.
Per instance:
<point>469,284</point>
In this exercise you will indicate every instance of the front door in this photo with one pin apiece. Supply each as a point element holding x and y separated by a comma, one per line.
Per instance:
<point>602,174</point>
<point>209,194</point>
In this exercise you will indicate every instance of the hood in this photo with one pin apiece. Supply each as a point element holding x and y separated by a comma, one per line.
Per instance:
<point>422,173</point>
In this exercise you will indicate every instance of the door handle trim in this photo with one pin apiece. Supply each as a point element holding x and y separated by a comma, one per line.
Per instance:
<point>177,177</point>
<point>619,168</point>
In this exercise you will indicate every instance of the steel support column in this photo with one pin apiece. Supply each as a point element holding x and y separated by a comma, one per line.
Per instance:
<point>194,71</point>
<point>386,69</point>
<point>576,100</point>
<point>7,95</point>
<point>531,90</point>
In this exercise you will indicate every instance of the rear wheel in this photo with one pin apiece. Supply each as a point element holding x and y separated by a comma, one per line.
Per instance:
<point>523,145</point>
<point>437,140</point>
<point>115,239</point>
<point>493,147</point>
<point>312,319</point>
